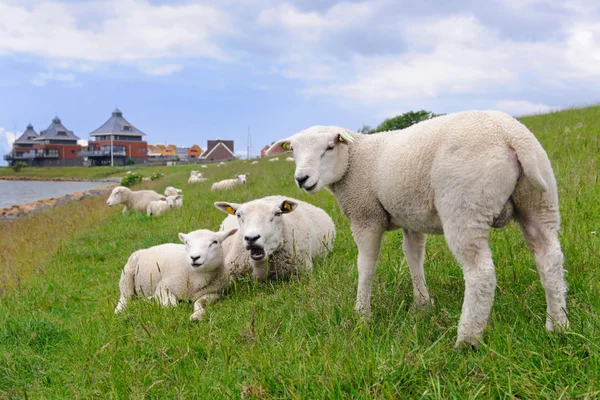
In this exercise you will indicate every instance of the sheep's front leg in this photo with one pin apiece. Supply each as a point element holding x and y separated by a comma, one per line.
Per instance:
<point>166,297</point>
<point>124,209</point>
<point>200,305</point>
<point>413,245</point>
<point>368,241</point>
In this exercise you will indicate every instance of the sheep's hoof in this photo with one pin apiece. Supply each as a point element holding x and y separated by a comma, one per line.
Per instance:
<point>467,343</point>
<point>421,305</point>
<point>554,325</point>
<point>196,317</point>
<point>364,313</point>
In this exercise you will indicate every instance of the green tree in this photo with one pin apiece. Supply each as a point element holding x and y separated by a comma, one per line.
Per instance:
<point>366,129</point>
<point>403,121</point>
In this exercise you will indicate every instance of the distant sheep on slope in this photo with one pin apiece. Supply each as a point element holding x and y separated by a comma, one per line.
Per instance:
<point>133,200</point>
<point>164,204</point>
<point>458,175</point>
<point>195,177</point>
<point>229,183</point>
<point>171,191</point>
<point>278,237</point>
<point>171,272</point>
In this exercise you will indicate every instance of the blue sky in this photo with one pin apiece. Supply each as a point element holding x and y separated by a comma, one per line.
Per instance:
<point>188,71</point>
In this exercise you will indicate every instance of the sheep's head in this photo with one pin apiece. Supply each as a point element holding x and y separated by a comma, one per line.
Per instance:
<point>172,200</point>
<point>117,196</point>
<point>242,178</point>
<point>171,191</point>
<point>260,224</point>
<point>203,248</point>
<point>321,154</point>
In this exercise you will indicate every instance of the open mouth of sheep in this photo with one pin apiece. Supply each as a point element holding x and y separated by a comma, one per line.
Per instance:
<point>257,253</point>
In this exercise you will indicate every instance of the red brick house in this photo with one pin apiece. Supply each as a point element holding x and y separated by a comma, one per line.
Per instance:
<point>125,139</point>
<point>22,148</point>
<point>218,150</point>
<point>56,145</point>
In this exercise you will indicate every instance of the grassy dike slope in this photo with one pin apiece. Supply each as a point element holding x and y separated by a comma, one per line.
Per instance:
<point>300,339</point>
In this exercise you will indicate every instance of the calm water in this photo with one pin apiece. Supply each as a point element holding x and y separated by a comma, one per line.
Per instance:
<point>23,192</point>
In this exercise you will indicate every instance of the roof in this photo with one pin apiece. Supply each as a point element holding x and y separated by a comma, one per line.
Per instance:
<point>52,132</point>
<point>27,136</point>
<point>216,147</point>
<point>115,125</point>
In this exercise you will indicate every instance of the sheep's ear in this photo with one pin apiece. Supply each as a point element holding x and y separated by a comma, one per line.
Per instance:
<point>179,197</point>
<point>287,206</point>
<point>182,237</point>
<point>163,199</point>
<point>281,146</point>
<point>226,234</point>
<point>229,208</point>
<point>247,173</point>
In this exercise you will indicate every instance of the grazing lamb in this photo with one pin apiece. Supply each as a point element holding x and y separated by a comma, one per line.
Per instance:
<point>195,177</point>
<point>158,207</point>
<point>171,191</point>
<point>458,175</point>
<point>133,200</point>
<point>170,272</point>
<point>229,183</point>
<point>278,237</point>
<point>273,159</point>
<point>254,162</point>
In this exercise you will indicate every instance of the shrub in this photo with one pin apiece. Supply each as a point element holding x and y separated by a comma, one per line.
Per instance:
<point>130,162</point>
<point>18,166</point>
<point>155,176</point>
<point>132,178</point>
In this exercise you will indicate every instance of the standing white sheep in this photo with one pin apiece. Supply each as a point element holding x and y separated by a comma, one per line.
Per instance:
<point>133,200</point>
<point>278,237</point>
<point>170,272</point>
<point>229,183</point>
<point>171,191</point>
<point>458,175</point>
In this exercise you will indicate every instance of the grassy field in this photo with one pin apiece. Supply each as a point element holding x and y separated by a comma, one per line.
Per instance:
<point>59,337</point>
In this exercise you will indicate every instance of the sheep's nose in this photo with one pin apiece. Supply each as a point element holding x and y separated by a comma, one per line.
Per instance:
<point>194,259</point>
<point>301,180</point>
<point>251,239</point>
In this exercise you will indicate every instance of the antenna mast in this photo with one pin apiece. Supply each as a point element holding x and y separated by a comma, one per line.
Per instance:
<point>249,145</point>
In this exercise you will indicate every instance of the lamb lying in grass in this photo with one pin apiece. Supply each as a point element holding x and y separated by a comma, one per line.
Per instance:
<point>254,162</point>
<point>171,272</point>
<point>195,177</point>
<point>171,191</point>
<point>133,200</point>
<point>229,183</point>
<point>278,237</point>
<point>458,175</point>
<point>164,204</point>
<point>273,159</point>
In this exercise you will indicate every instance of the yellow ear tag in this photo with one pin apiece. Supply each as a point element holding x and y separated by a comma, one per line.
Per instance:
<point>287,207</point>
<point>230,210</point>
<point>286,146</point>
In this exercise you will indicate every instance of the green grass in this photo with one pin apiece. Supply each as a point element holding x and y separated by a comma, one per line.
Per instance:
<point>59,337</point>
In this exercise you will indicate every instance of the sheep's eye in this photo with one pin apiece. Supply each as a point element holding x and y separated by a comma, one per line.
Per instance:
<point>239,216</point>
<point>215,242</point>
<point>330,147</point>
<point>278,214</point>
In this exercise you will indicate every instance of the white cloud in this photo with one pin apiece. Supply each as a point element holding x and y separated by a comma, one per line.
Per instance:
<point>82,142</point>
<point>6,140</point>
<point>42,78</point>
<point>125,31</point>
<point>161,70</point>
<point>523,107</point>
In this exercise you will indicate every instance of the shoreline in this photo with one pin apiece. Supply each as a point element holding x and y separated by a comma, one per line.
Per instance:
<point>58,179</point>
<point>16,211</point>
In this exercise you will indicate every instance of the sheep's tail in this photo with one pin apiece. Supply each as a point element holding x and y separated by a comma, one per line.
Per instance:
<point>525,147</point>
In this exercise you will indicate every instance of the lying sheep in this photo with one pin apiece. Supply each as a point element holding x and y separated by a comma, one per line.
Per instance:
<point>273,159</point>
<point>133,200</point>
<point>254,162</point>
<point>171,191</point>
<point>195,177</point>
<point>278,237</point>
<point>171,272</point>
<point>458,175</point>
<point>291,159</point>
<point>229,183</point>
<point>203,166</point>
<point>158,207</point>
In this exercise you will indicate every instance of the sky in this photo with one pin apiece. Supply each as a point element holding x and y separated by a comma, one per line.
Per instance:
<point>185,72</point>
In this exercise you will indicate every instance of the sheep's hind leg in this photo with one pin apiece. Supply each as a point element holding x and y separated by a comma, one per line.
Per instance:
<point>413,246</point>
<point>540,232</point>
<point>470,247</point>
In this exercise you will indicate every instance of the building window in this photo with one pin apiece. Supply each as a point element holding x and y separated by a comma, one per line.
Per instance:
<point>126,128</point>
